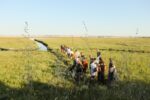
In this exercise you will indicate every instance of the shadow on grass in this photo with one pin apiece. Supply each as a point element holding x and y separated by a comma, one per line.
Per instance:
<point>41,91</point>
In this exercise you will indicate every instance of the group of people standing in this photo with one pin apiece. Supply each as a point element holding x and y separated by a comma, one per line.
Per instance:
<point>96,65</point>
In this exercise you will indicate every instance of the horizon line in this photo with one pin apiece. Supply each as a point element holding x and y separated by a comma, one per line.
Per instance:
<point>98,36</point>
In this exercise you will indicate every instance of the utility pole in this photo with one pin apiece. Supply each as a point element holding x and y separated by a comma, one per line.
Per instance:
<point>28,66</point>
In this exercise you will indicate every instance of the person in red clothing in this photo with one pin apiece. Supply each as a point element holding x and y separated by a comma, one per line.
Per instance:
<point>84,64</point>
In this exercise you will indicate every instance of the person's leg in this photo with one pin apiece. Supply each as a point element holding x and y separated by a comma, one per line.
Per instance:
<point>99,77</point>
<point>103,78</point>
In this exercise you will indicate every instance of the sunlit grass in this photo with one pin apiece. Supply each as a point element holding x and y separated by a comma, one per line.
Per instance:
<point>130,66</point>
<point>133,68</point>
<point>50,80</point>
<point>16,42</point>
<point>101,43</point>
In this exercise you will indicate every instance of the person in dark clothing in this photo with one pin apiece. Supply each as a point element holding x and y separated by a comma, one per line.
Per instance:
<point>101,71</point>
<point>79,71</point>
<point>98,54</point>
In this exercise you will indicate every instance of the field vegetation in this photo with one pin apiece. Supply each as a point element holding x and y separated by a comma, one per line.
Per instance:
<point>39,75</point>
<point>101,43</point>
<point>16,43</point>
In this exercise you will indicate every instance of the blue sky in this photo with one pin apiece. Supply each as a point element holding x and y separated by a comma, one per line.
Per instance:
<point>64,17</point>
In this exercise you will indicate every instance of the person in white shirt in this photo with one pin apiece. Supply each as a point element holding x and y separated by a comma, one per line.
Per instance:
<point>93,69</point>
<point>77,54</point>
<point>68,52</point>
<point>112,73</point>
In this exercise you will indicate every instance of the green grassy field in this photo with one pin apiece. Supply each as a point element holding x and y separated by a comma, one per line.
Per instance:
<point>101,43</point>
<point>38,75</point>
<point>16,43</point>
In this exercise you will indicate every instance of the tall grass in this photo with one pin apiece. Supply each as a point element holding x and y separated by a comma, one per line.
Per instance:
<point>133,68</point>
<point>51,81</point>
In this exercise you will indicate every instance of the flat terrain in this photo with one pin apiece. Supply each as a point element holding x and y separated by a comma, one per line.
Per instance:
<point>38,75</point>
<point>101,43</point>
<point>16,43</point>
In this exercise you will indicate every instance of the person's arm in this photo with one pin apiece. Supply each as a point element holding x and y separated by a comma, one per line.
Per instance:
<point>114,69</point>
